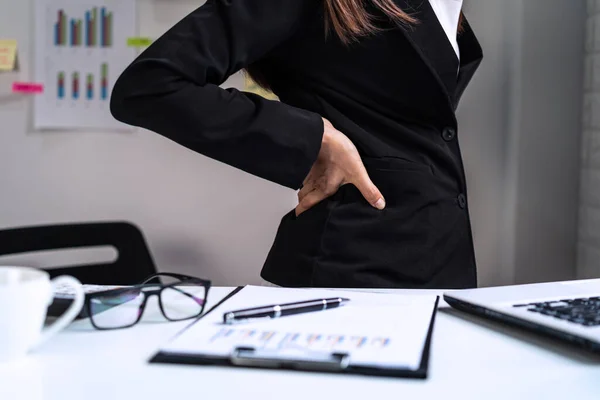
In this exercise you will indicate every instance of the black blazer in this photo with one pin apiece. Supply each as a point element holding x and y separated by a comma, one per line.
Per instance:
<point>394,94</point>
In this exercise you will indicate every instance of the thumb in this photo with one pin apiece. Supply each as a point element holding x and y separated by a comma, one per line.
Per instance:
<point>369,191</point>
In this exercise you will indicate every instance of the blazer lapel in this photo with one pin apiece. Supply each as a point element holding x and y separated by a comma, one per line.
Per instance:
<point>471,57</point>
<point>430,40</point>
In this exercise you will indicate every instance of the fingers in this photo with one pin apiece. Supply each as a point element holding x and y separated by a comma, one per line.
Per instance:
<point>369,191</point>
<point>325,181</point>
<point>338,163</point>
<point>310,200</point>
<point>304,191</point>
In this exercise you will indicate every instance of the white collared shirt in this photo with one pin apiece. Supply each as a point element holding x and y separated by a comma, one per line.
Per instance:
<point>448,13</point>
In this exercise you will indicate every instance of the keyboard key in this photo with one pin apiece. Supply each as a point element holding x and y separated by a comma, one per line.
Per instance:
<point>558,304</point>
<point>538,304</point>
<point>583,311</point>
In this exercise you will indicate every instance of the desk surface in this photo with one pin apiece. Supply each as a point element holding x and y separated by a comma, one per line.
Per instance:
<point>471,359</point>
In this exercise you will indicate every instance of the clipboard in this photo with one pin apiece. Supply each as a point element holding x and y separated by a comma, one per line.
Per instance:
<point>337,362</point>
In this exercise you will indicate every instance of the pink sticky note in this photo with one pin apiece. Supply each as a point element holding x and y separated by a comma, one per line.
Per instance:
<point>27,87</point>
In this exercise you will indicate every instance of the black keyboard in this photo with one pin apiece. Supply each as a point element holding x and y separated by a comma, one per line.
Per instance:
<point>584,311</point>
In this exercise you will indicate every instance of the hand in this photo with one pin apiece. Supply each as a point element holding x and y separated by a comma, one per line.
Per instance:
<point>338,163</point>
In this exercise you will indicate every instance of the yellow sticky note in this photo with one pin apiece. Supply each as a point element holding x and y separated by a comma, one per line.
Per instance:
<point>253,87</point>
<point>8,55</point>
<point>139,41</point>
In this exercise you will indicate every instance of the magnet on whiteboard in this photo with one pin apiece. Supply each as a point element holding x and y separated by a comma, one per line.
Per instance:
<point>139,41</point>
<point>27,87</point>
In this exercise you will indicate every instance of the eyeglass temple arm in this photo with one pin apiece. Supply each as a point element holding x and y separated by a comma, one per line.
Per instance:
<point>121,291</point>
<point>181,277</point>
<point>196,299</point>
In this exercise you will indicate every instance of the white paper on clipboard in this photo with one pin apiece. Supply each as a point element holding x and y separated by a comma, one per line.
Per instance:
<point>374,330</point>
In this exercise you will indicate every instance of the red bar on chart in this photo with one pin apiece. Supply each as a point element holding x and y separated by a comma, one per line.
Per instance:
<point>60,29</point>
<point>75,85</point>
<point>104,81</point>
<point>90,87</point>
<point>61,85</point>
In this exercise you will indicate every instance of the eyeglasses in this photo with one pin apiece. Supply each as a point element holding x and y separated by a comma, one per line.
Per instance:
<point>182,297</point>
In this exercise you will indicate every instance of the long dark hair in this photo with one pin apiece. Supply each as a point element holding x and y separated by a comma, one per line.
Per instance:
<point>350,20</point>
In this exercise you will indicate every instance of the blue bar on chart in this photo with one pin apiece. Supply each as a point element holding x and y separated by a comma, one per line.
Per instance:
<point>106,28</point>
<point>83,85</point>
<point>67,31</point>
<point>57,34</point>
<point>89,89</point>
<point>104,81</point>
<point>60,29</point>
<point>102,27</point>
<point>61,85</point>
<point>75,85</point>
<point>94,30</point>
<point>88,28</point>
<point>75,32</point>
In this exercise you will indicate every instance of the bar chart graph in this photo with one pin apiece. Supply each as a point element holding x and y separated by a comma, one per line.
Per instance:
<point>92,85</point>
<point>81,49</point>
<point>94,30</point>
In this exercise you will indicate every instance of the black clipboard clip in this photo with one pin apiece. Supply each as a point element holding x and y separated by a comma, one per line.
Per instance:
<point>289,359</point>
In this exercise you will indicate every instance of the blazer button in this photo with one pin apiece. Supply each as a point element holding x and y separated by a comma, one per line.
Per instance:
<point>448,134</point>
<point>462,201</point>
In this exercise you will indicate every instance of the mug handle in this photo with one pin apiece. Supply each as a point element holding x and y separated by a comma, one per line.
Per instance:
<point>71,313</point>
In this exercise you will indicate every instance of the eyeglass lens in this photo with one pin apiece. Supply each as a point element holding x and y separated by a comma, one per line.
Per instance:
<point>182,301</point>
<point>121,307</point>
<point>116,309</point>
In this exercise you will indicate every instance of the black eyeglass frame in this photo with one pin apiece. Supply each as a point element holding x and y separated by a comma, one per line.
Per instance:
<point>149,293</point>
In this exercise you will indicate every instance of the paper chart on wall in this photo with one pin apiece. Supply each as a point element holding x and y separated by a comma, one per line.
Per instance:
<point>80,50</point>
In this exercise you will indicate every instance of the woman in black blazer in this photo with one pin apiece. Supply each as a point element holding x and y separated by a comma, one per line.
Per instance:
<point>365,128</point>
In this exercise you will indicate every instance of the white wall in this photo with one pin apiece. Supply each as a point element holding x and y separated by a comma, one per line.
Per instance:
<point>482,131</point>
<point>589,211</point>
<point>199,216</point>
<point>520,133</point>
<point>548,136</point>
<point>207,219</point>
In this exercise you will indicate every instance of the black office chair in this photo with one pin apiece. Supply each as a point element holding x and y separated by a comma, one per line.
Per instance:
<point>133,264</point>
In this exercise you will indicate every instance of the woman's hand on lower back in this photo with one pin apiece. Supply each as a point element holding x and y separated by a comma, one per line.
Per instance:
<point>338,163</point>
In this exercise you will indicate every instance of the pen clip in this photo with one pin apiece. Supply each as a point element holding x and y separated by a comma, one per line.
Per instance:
<point>316,361</point>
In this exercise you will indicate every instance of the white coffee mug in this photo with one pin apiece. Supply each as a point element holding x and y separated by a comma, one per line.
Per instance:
<point>25,294</point>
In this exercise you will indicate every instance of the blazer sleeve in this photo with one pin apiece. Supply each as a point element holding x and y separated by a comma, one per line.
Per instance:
<point>173,89</point>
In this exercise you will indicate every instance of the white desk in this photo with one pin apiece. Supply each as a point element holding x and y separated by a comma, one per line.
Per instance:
<point>469,360</point>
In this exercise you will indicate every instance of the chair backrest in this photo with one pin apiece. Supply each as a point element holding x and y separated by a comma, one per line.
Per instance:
<point>133,264</point>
